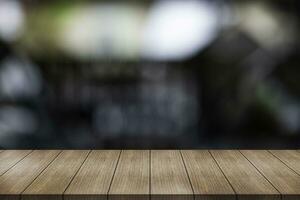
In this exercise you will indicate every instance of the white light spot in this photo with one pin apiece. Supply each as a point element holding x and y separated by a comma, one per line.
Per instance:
<point>103,30</point>
<point>11,19</point>
<point>177,29</point>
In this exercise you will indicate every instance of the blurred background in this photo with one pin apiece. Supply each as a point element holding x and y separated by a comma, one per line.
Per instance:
<point>149,74</point>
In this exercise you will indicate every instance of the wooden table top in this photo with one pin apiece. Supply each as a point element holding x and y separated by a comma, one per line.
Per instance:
<point>145,174</point>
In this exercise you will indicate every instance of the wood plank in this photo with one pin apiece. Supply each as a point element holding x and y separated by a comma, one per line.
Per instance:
<point>290,157</point>
<point>55,179</point>
<point>9,158</point>
<point>207,179</point>
<point>169,179</point>
<point>132,176</point>
<point>94,178</point>
<point>16,180</point>
<point>246,181</point>
<point>284,179</point>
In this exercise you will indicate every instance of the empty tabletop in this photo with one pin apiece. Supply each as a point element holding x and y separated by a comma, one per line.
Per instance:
<point>149,174</point>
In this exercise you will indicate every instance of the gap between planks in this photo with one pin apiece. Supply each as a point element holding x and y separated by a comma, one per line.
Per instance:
<point>285,180</point>
<point>10,158</point>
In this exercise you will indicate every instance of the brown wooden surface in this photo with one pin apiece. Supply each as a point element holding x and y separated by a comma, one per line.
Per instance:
<point>55,178</point>
<point>9,158</point>
<point>132,176</point>
<point>19,177</point>
<point>206,177</point>
<point>289,157</point>
<point>94,178</point>
<point>145,174</point>
<point>168,176</point>
<point>243,176</point>
<point>286,181</point>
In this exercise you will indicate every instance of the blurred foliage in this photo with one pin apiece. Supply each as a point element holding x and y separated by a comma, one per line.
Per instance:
<point>241,90</point>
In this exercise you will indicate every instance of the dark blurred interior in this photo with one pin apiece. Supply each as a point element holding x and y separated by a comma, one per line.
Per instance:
<point>149,74</point>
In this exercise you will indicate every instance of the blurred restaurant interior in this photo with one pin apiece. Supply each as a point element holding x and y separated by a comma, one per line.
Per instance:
<point>149,74</point>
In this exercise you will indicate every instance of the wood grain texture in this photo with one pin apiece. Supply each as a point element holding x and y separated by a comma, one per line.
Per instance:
<point>56,177</point>
<point>207,179</point>
<point>93,180</point>
<point>246,181</point>
<point>169,179</point>
<point>132,176</point>
<point>284,179</point>
<point>18,178</point>
<point>290,157</point>
<point>10,157</point>
<point>141,174</point>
